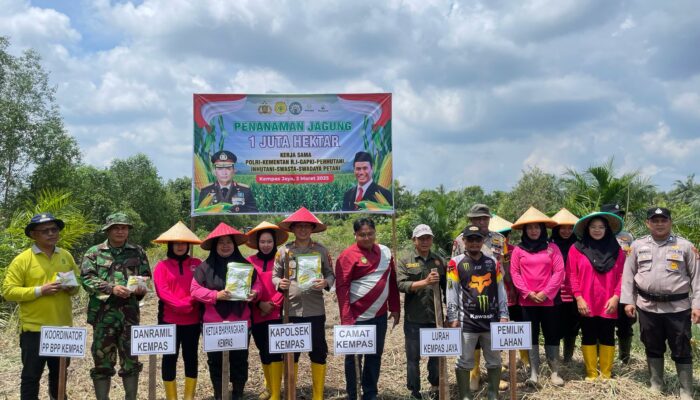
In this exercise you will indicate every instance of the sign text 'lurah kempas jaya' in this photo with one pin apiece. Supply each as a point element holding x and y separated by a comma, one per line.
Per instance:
<point>440,342</point>
<point>152,339</point>
<point>290,338</point>
<point>59,341</point>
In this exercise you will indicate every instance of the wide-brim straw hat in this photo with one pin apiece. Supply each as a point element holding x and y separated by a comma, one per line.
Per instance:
<point>533,216</point>
<point>565,217</point>
<point>280,235</point>
<point>302,215</point>
<point>178,233</point>
<point>224,230</point>
<point>614,221</point>
<point>498,224</point>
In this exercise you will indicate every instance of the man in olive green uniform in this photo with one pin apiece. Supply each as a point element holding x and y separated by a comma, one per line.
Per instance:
<point>225,189</point>
<point>416,275</point>
<point>661,283</point>
<point>494,242</point>
<point>113,308</point>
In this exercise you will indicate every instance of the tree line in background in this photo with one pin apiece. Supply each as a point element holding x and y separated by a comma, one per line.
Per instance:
<point>42,170</point>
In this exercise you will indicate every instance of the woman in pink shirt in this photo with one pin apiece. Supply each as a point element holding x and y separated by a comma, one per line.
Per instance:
<point>172,278</point>
<point>265,238</point>
<point>208,287</point>
<point>537,269</point>
<point>594,267</point>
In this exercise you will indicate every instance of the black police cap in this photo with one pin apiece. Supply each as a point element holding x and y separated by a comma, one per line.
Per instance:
<point>224,156</point>
<point>658,212</point>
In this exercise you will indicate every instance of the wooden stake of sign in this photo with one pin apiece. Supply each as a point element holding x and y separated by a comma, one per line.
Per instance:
<point>358,376</point>
<point>289,378</point>
<point>512,373</point>
<point>62,365</point>
<point>152,368</point>
<point>225,375</point>
<point>443,388</point>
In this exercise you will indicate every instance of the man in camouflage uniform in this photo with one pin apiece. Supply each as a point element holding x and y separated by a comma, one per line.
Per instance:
<point>480,215</point>
<point>225,189</point>
<point>113,308</point>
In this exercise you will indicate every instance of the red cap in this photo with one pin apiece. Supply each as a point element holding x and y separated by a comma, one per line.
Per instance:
<point>302,215</point>
<point>224,230</point>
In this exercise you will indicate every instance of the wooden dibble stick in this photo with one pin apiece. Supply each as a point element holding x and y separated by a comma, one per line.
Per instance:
<point>62,365</point>
<point>443,388</point>
<point>289,378</point>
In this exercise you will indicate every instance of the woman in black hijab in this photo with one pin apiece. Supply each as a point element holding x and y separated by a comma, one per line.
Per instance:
<point>595,268</point>
<point>208,287</point>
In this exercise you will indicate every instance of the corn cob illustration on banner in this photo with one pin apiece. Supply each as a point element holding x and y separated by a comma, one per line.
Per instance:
<point>271,154</point>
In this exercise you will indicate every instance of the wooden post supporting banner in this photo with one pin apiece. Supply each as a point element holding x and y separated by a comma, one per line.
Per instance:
<point>290,386</point>
<point>513,374</point>
<point>192,229</point>
<point>225,378</point>
<point>152,368</point>
<point>62,365</point>
<point>444,392</point>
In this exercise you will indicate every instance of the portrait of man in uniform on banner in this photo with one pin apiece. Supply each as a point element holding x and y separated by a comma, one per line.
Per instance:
<point>225,189</point>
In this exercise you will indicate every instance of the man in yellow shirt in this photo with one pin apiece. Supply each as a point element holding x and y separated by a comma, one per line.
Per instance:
<point>31,281</point>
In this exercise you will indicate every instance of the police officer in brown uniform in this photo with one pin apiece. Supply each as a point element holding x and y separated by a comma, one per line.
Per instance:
<point>662,284</point>
<point>480,215</point>
<point>225,189</point>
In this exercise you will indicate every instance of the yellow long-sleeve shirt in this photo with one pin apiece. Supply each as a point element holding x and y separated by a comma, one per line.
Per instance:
<point>30,270</point>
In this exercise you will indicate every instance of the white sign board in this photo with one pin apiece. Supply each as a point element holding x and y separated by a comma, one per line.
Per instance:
<point>511,336</point>
<point>440,342</point>
<point>59,341</point>
<point>225,336</point>
<point>152,339</point>
<point>355,339</point>
<point>290,338</point>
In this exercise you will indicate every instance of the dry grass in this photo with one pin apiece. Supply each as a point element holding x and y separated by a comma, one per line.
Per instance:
<point>630,382</point>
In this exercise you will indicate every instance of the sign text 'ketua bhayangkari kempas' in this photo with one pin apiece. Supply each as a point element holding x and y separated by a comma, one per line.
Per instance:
<point>290,338</point>
<point>57,341</point>
<point>225,336</point>
<point>355,339</point>
<point>152,339</point>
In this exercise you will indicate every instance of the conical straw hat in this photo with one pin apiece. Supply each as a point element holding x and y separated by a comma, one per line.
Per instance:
<point>498,224</point>
<point>614,221</point>
<point>223,230</point>
<point>302,215</point>
<point>565,217</point>
<point>280,235</point>
<point>178,233</point>
<point>533,216</point>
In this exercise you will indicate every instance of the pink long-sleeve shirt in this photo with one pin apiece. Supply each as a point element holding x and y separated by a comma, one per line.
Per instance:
<point>208,298</point>
<point>537,272</point>
<point>173,288</point>
<point>596,288</point>
<point>267,290</point>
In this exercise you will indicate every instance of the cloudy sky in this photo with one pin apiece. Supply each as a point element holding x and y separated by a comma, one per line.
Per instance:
<point>482,90</point>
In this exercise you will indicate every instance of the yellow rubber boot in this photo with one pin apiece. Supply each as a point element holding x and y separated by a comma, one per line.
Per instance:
<point>190,388</point>
<point>276,372</point>
<point>525,358</point>
<point>170,390</point>
<point>265,394</point>
<point>607,355</point>
<point>318,377</point>
<point>590,361</point>
<point>475,373</point>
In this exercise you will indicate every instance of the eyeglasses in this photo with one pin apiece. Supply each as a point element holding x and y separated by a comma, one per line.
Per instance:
<point>47,231</point>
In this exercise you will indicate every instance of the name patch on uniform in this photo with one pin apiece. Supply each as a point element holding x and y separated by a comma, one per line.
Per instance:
<point>412,265</point>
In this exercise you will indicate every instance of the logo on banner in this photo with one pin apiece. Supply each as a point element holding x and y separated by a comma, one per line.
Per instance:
<point>323,108</point>
<point>309,108</point>
<point>280,107</point>
<point>295,108</point>
<point>264,108</point>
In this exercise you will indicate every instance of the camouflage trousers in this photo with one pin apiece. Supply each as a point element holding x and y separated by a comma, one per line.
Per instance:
<point>112,336</point>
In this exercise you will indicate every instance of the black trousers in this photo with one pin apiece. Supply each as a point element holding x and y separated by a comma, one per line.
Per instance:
<point>411,331</point>
<point>187,339</point>
<point>548,318</point>
<point>656,329</point>
<point>319,346</point>
<point>238,370</point>
<point>570,319</point>
<point>595,330</point>
<point>33,367</point>
<point>624,323</point>
<point>262,341</point>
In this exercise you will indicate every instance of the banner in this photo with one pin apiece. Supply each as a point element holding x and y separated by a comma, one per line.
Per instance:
<point>271,154</point>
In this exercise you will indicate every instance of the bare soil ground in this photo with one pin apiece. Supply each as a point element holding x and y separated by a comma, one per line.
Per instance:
<point>630,382</point>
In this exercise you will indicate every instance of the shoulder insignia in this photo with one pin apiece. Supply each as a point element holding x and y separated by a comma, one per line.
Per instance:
<point>242,185</point>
